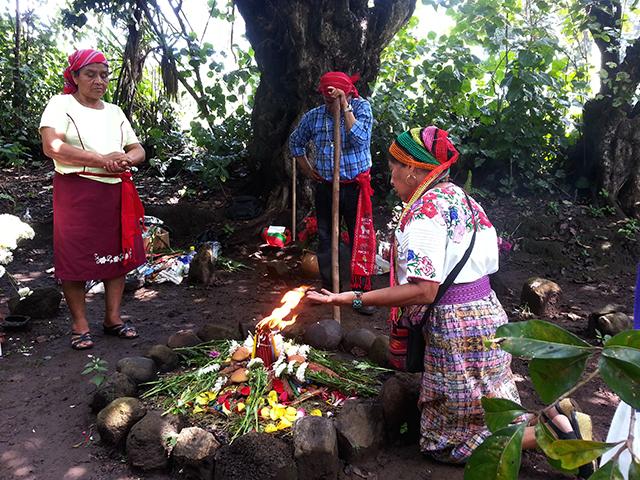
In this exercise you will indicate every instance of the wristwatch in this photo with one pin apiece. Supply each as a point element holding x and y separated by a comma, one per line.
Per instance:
<point>357,301</point>
<point>348,109</point>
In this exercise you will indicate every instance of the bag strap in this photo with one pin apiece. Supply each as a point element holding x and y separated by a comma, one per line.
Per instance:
<point>444,286</point>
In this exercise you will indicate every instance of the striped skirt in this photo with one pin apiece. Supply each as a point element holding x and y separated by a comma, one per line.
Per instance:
<point>458,371</point>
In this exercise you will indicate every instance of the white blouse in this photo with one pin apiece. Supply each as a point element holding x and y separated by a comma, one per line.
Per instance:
<point>436,233</point>
<point>102,131</point>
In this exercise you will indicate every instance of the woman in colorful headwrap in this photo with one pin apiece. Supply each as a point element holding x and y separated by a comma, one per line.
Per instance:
<point>356,121</point>
<point>97,213</point>
<point>433,234</point>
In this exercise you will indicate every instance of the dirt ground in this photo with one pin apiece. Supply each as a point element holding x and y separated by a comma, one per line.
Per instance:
<point>47,429</point>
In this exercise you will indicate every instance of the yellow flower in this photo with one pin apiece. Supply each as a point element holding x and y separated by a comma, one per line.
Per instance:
<point>265,413</point>
<point>290,414</point>
<point>315,413</point>
<point>198,409</point>
<point>205,397</point>
<point>283,424</point>
<point>278,411</point>
<point>272,398</point>
<point>270,428</point>
<point>241,406</point>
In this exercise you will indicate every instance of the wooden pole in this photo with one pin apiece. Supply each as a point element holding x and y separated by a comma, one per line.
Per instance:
<point>293,198</point>
<point>335,209</point>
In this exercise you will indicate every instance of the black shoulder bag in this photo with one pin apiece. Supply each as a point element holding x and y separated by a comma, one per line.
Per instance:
<point>415,339</point>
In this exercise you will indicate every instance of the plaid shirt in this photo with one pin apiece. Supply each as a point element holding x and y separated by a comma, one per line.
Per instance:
<point>317,125</point>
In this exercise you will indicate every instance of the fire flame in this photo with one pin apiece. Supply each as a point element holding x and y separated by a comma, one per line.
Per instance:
<point>289,301</point>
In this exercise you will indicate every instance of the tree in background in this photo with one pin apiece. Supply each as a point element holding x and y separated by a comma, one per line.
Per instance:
<point>608,156</point>
<point>295,42</point>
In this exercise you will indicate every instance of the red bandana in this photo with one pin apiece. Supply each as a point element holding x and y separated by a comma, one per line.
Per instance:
<point>77,60</point>
<point>363,253</point>
<point>339,80</point>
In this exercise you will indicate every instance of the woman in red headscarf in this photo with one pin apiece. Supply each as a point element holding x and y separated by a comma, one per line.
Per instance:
<point>97,214</point>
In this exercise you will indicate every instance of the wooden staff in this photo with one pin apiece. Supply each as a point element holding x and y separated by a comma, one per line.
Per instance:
<point>293,198</point>
<point>335,224</point>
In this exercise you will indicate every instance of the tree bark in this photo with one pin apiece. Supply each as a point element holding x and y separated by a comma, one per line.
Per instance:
<point>295,42</point>
<point>132,62</point>
<point>610,145</point>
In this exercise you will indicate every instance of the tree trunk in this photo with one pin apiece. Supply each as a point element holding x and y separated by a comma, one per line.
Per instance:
<point>132,63</point>
<point>295,42</point>
<point>18,94</point>
<point>610,144</point>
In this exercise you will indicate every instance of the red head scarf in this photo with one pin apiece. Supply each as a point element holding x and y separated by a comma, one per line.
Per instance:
<point>339,80</point>
<point>77,60</point>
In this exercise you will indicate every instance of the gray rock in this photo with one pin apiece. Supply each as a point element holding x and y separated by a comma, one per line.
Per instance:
<point>195,451</point>
<point>116,386</point>
<point>139,369</point>
<point>212,331</point>
<point>362,338</point>
<point>148,442</point>
<point>541,295</point>
<point>360,428</point>
<point>165,358</point>
<point>379,351</point>
<point>610,323</point>
<point>325,335</point>
<point>116,419</point>
<point>399,399</point>
<point>255,456</point>
<point>315,446</point>
<point>203,266</point>
<point>183,338</point>
<point>42,303</point>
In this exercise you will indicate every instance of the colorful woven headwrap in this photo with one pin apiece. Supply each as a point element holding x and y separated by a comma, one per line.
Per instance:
<point>77,60</point>
<point>339,80</point>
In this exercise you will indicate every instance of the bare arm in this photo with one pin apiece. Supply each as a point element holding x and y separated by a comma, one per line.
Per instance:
<point>55,147</point>
<point>135,154</point>
<point>414,293</point>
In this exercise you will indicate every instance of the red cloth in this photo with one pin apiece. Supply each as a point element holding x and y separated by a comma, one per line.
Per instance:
<point>77,60</point>
<point>339,80</point>
<point>87,230</point>
<point>131,213</point>
<point>363,255</point>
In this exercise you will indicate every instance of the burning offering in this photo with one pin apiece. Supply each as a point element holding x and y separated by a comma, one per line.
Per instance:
<point>264,384</point>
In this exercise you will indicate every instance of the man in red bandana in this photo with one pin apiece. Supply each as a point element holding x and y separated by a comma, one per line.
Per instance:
<point>341,95</point>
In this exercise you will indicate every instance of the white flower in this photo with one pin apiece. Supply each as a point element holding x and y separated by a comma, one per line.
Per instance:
<point>255,361</point>
<point>292,349</point>
<point>6,256</point>
<point>278,368</point>
<point>301,370</point>
<point>220,382</point>
<point>12,230</point>
<point>304,350</point>
<point>278,343</point>
<point>233,347</point>
<point>24,292</point>
<point>2,270</point>
<point>212,367</point>
<point>248,343</point>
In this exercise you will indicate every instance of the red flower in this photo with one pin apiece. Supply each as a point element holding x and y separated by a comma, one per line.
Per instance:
<point>245,391</point>
<point>223,398</point>
<point>283,397</point>
<point>277,385</point>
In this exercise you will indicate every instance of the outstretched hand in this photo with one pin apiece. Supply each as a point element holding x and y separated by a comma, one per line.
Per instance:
<point>323,296</point>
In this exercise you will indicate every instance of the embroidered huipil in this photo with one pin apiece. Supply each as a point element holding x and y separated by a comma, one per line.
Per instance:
<point>317,125</point>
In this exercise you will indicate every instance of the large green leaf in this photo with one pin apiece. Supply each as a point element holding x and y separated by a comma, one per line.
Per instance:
<point>544,439</point>
<point>609,471</point>
<point>499,412</point>
<point>574,453</point>
<point>552,377</point>
<point>540,339</point>
<point>628,338</point>
<point>634,470</point>
<point>498,457</point>
<point>620,370</point>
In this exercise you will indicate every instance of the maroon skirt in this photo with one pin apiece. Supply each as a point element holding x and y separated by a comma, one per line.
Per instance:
<point>87,243</point>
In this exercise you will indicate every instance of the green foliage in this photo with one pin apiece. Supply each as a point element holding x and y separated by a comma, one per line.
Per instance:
<point>23,97</point>
<point>629,229</point>
<point>504,82</point>
<point>98,368</point>
<point>557,367</point>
